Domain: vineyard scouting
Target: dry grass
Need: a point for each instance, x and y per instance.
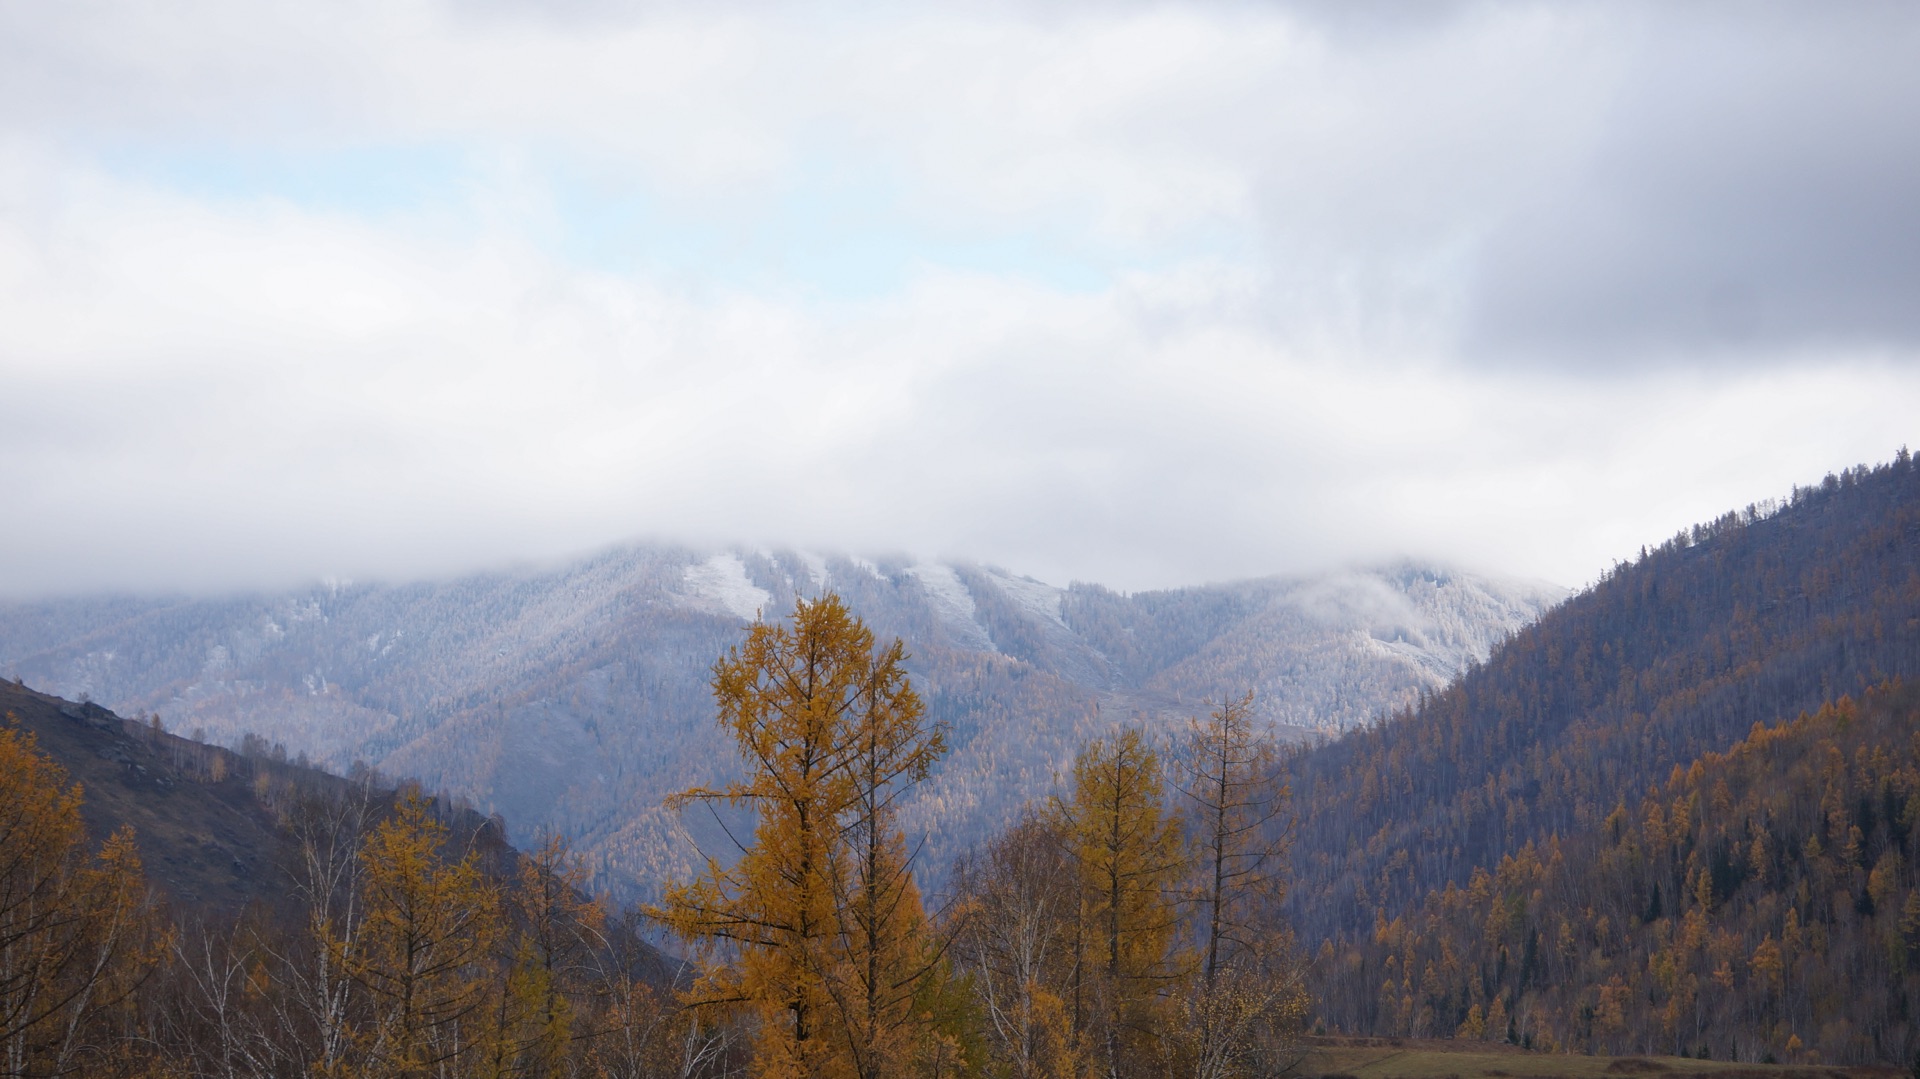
(1416, 1058)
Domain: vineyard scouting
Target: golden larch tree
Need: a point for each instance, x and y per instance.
(556, 929)
(1131, 858)
(829, 730)
(77, 931)
(423, 952)
(881, 947)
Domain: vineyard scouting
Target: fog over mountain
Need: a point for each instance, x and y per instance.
(1138, 293)
(574, 698)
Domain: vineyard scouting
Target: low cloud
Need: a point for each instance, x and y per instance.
(1517, 286)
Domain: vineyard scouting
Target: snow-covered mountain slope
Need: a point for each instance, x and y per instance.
(576, 698)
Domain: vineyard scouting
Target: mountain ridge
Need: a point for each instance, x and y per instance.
(574, 698)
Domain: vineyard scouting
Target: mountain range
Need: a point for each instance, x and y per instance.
(1677, 813)
(573, 698)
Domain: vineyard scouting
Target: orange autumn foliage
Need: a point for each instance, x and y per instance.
(817, 928)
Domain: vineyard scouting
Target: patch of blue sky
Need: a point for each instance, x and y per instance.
(366, 181)
(828, 232)
(828, 236)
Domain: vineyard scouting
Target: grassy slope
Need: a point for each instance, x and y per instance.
(210, 845)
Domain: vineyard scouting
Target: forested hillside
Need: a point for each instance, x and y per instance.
(1754, 618)
(1759, 904)
(174, 909)
(205, 819)
(575, 698)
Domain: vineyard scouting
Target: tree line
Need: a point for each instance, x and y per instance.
(1128, 925)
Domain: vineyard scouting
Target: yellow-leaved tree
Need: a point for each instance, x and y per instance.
(818, 926)
(881, 949)
(77, 932)
(558, 928)
(423, 951)
(1131, 858)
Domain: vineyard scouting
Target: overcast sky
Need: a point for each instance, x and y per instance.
(1142, 294)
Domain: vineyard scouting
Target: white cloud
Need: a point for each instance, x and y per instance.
(215, 379)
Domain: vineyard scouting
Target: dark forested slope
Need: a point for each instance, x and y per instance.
(174, 908)
(1760, 615)
(210, 823)
(1758, 905)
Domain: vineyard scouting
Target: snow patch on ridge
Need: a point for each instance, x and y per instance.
(723, 580)
(952, 602)
(816, 568)
(1037, 597)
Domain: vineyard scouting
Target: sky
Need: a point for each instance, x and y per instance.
(1142, 294)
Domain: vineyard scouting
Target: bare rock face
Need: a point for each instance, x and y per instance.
(575, 699)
